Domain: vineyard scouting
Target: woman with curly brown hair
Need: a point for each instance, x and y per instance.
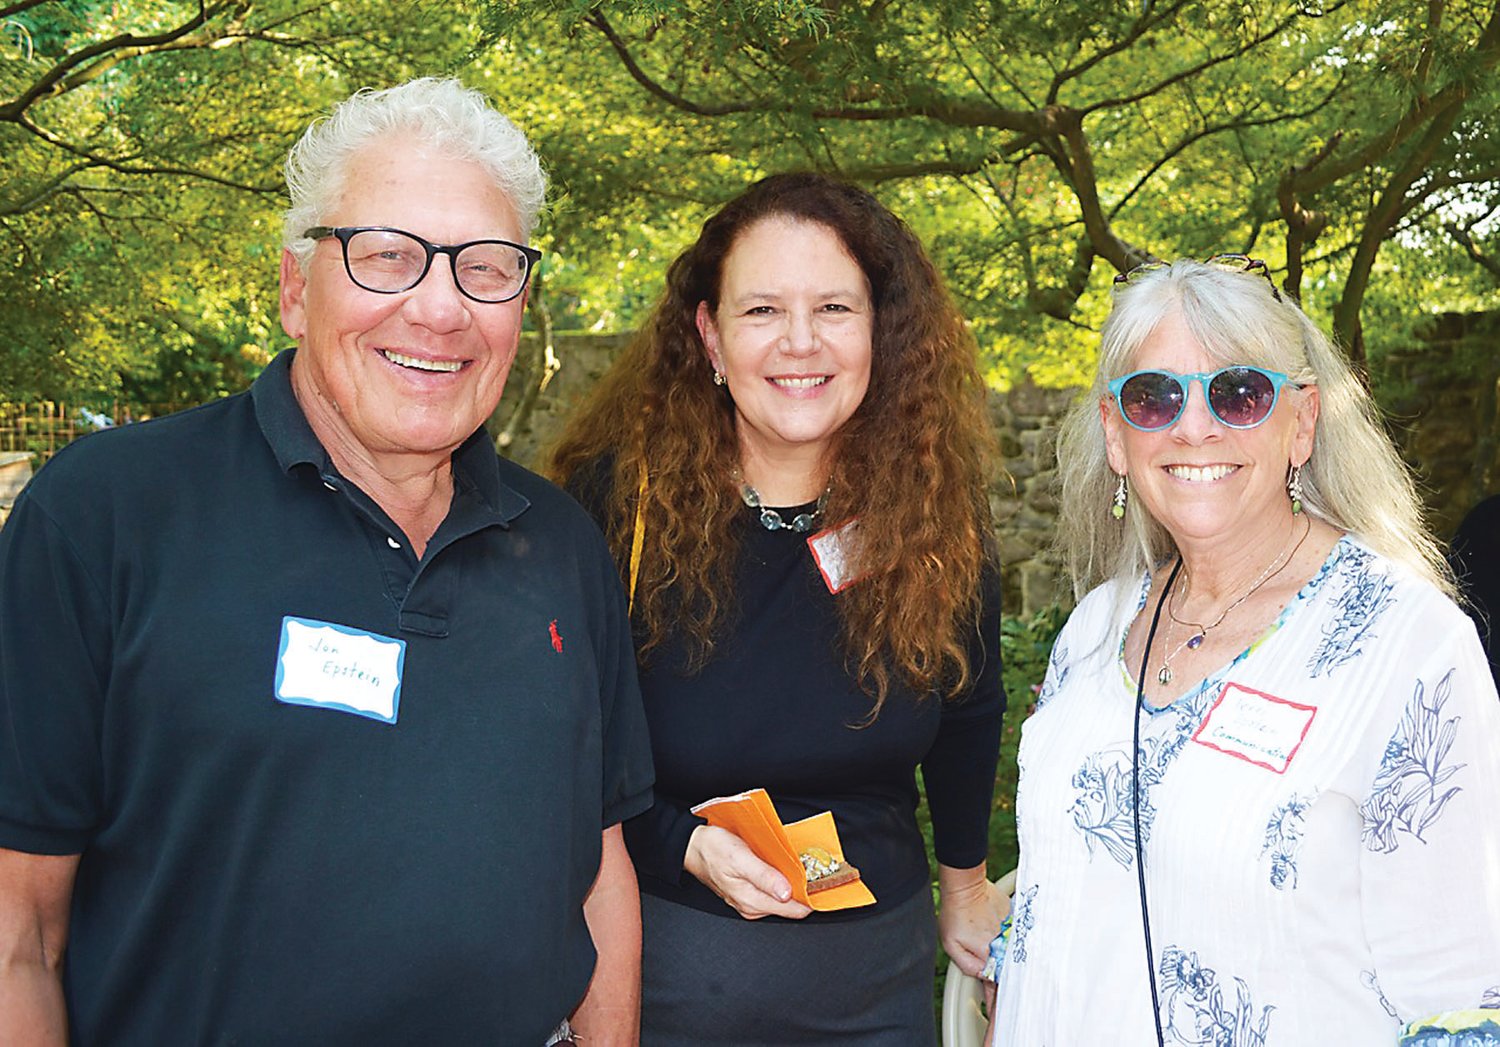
(790, 463)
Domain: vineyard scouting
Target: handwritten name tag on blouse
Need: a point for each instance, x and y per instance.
(836, 552)
(1256, 727)
(336, 667)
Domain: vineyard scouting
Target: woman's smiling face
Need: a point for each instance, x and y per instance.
(792, 336)
(1200, 479)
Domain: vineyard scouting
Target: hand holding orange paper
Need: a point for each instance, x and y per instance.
(752, 817)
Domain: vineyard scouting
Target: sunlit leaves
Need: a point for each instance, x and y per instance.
(140, 193)
(1024, 139)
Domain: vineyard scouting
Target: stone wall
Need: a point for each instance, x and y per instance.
(1025, 502)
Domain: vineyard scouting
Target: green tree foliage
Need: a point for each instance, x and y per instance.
(1350, 142)
(1038, 146)
(141, 185)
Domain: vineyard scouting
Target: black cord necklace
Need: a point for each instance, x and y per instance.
(1135, 797)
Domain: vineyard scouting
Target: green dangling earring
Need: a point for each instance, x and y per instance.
(1118, 509)
(1294, 489)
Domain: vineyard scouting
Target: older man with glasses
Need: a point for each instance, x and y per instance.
(327, 737)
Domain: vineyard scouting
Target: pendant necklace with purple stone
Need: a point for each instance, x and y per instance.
(1200, 631)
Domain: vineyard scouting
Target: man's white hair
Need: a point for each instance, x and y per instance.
(444, 113)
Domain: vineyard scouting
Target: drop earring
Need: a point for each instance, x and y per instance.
(1294, 489)
(1118, 509)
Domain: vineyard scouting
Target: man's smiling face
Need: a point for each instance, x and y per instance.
(413, 373)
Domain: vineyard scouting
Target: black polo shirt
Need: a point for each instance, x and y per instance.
(323, 793)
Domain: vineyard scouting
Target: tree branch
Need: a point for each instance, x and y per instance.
(1171, 152)
(1314, 176)
(1075, 162)
(46, 190)
(124, 168)
(597, 19)
(1464, 239)
(915, 169)
(1138, 29)
(1378, 222)
(17, 8)
(1435, 9)
(56, 80)
(1193, 71)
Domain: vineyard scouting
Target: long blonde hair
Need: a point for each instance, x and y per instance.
(1355, 480)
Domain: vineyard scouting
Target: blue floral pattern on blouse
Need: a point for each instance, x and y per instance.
(1369, 981)
(1197, 1011)
(1057, 672)
(1283, 837)
(1022, 920)
(1407, 795)
(1366, 597)
(1103, 810)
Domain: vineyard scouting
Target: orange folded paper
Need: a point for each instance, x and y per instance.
(752, 817)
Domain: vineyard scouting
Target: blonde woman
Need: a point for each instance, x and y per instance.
(1260, 795)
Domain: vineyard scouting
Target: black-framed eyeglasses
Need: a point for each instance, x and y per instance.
(1230, 263)
(389, 261)
(1240, 397)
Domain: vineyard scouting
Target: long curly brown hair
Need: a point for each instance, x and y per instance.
(912, 463)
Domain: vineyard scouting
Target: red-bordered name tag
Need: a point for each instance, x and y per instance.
(836, 552)
(1256, 727)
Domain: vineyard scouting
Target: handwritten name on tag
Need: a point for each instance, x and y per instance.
(336, 667)
(836, 552)
(1256, 727)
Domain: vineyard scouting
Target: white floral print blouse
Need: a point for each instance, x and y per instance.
(1320, 822)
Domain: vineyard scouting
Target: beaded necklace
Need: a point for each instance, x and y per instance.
(771, 520)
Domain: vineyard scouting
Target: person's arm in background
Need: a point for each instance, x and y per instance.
(970, 912)
(958, 774)
(35, 891)
(610, 1014)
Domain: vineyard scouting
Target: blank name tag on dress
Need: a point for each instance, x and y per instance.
(338, 667)
(836, 552)
(1256, 727)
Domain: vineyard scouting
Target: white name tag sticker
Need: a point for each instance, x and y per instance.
(335, 667)
(836, 552)
(1256, 727)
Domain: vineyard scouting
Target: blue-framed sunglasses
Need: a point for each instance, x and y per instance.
(1240, 397)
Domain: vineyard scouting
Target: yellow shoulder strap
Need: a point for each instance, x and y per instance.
(638, 536)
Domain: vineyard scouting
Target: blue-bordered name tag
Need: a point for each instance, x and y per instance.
(338, 667)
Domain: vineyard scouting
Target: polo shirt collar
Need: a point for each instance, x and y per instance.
(476, 466)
